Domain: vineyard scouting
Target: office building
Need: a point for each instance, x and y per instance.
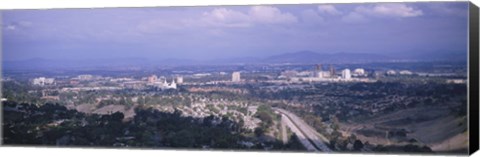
(346, 74)
(236, 77)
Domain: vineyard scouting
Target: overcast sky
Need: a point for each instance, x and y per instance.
(234, 31)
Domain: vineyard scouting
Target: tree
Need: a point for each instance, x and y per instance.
(147, 100)
(335, 123)
(259, 131)
(314, 121)
(266, 119)
(128, 102)
(357, 145)
(294, 143)
(352, 138)
(141, 101)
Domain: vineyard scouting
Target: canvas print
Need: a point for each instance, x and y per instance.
(324, 78)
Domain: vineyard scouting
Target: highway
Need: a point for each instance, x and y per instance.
(284, 132)
(305, 142)
(308, 136)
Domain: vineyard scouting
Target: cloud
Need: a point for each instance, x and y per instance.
(328, 9)
(17, 25)
(10, 27)
(389, 10)
(270, 15)
(223, 17)
(354, 17)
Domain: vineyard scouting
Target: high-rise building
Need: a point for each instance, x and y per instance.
(318, 71)
(318, 74)
(236, 76)
(319, 67)
(332, 71)
(346, 74)
(179, 79)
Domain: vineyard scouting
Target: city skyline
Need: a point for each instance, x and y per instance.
(220, 32)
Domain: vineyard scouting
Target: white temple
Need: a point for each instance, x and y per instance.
(164, 85)
(172, 85)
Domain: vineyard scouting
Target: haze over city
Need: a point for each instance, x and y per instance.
(224, 32)
(364, 78)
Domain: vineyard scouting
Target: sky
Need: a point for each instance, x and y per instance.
(216, 32)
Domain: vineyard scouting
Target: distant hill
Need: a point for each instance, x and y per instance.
(313, 57)
(433, 56)
(300, 57)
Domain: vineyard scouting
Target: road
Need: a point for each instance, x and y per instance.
(284, 132)
(305, 142)
(308, 136)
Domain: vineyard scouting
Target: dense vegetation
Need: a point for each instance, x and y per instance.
(54, 125)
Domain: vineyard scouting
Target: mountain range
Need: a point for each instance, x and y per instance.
(300, 57)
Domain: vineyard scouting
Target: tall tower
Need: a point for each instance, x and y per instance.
(346, 74)
(318, 67)
(318, 70)
(236, 76)
(332, 71)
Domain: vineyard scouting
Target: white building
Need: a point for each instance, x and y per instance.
(179, 79)
(322, 74)
(38, 81)
(165, 85)
(199, 75)
(359, 72)
(325, 74)
(49, 80)
(304, 73)
(405, 72)
(391, 72)
(84, 77)
(236, 76)
(346, 74)
(457, 81)
(172, 85)
(289, 73)
(41, 81)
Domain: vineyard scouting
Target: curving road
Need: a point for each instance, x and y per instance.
(307, 135)
(301, 137)
(284, 132)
